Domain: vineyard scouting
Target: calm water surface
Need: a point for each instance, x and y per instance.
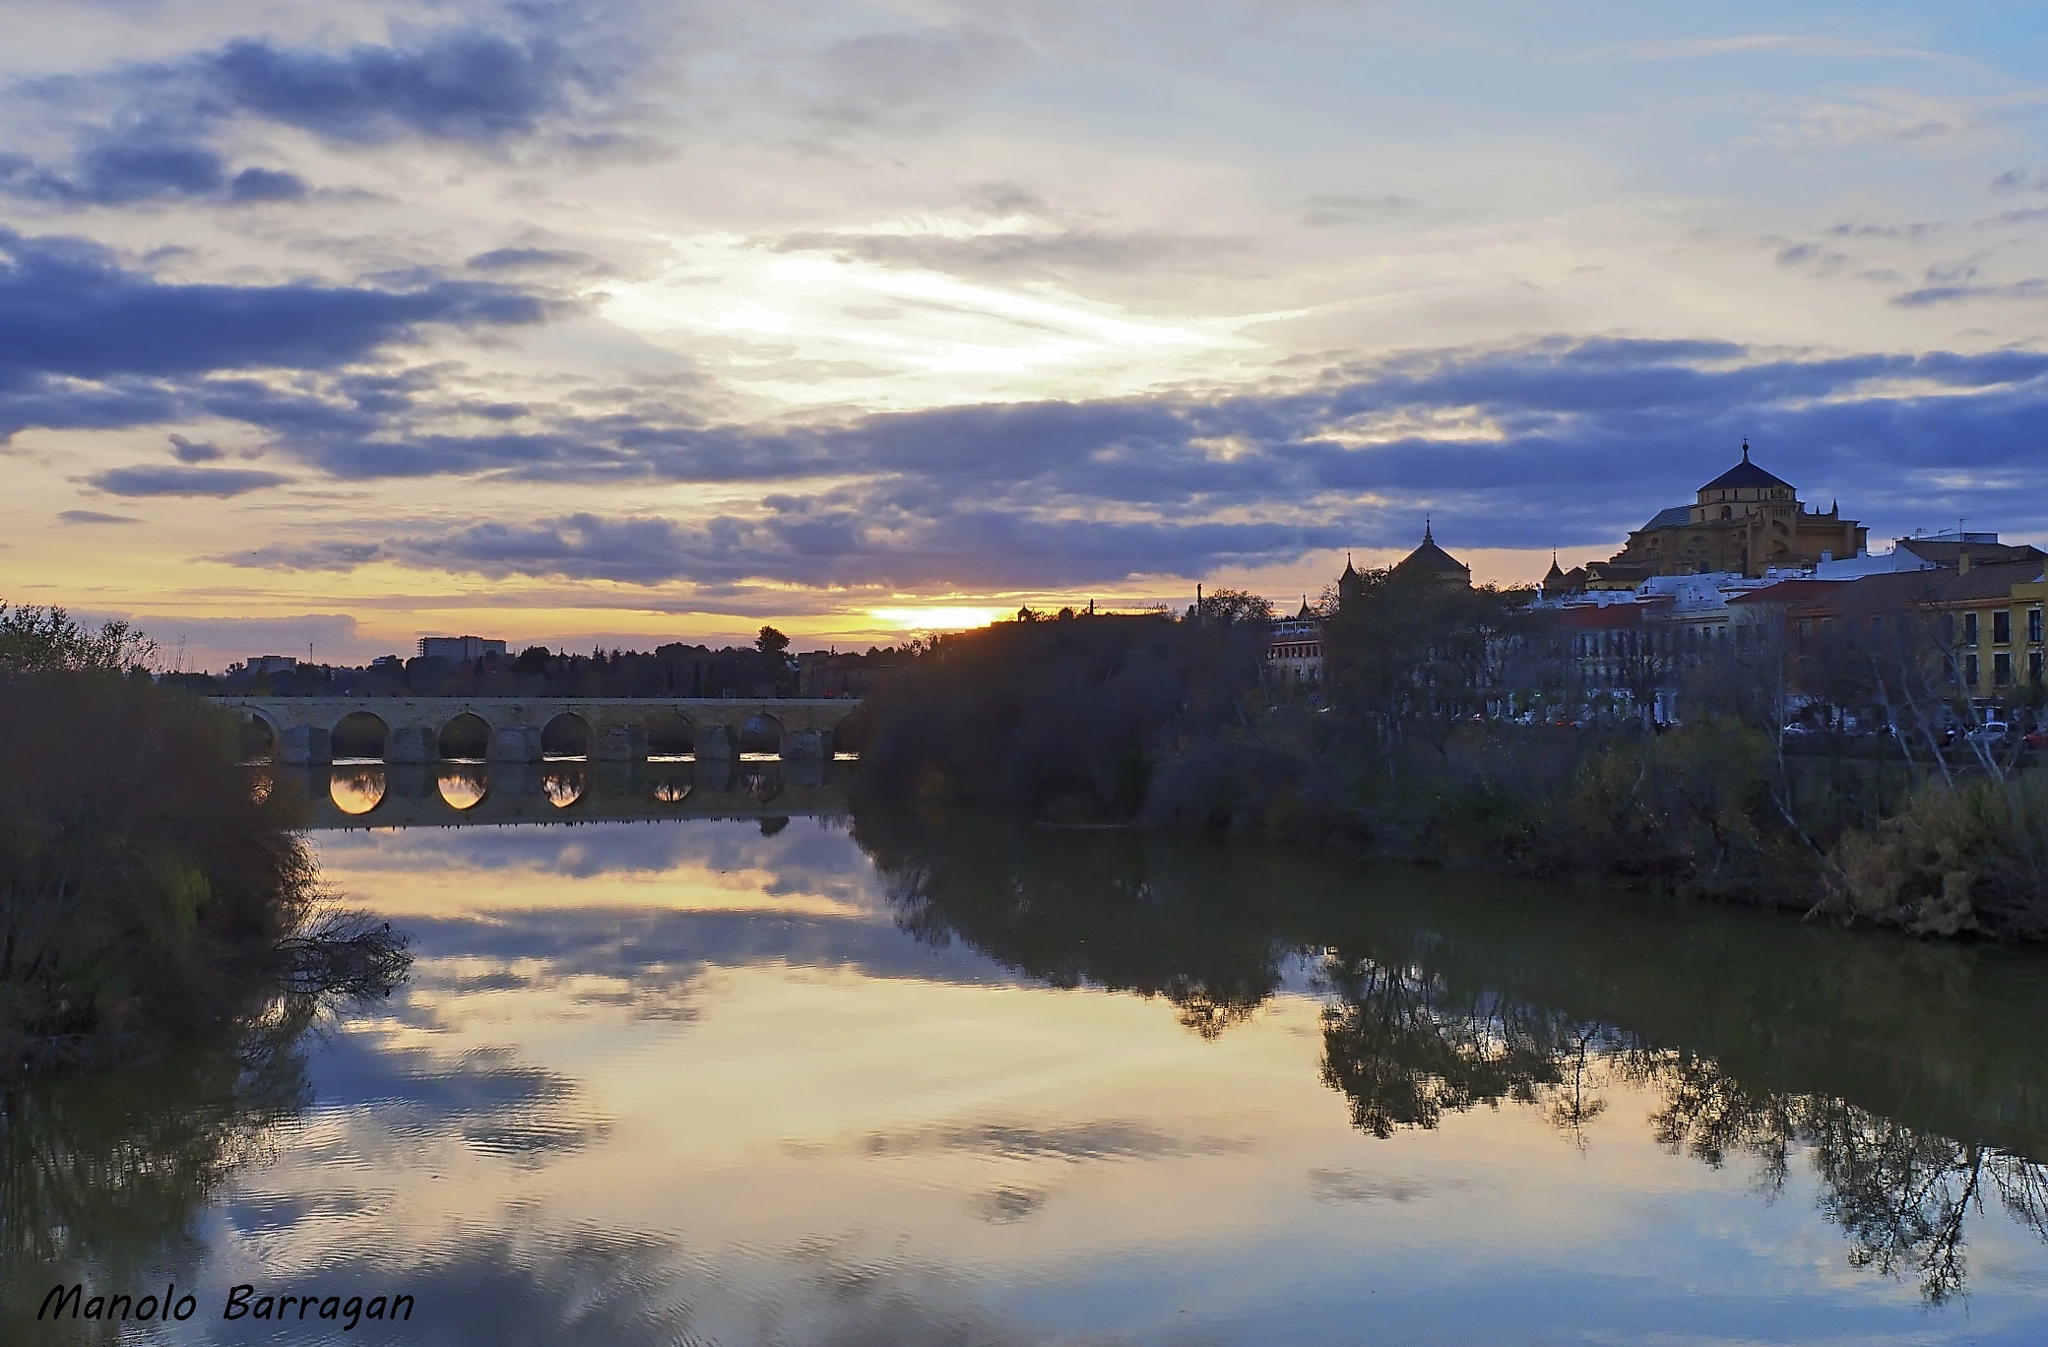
(900, 1080)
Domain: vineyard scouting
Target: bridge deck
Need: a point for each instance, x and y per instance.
(612, 728)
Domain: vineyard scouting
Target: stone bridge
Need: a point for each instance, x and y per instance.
(528, 729)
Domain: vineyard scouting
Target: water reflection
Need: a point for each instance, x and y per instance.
(357, 788)
(463, 786)
(1899, 1074)
(447, 793)
(562, 785)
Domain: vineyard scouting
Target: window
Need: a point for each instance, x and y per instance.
(1970, 670)
(2001, 668)
(2001, 627)
(2034, 668)
(2034, 625)
(1970, 630)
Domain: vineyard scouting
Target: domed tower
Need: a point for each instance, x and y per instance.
(1434, 562)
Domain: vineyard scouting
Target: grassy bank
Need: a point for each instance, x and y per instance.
(150, 886)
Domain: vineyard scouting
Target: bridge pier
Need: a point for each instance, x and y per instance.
(412, 743)
(515, 743)
(717, 742)
(808, 744)
(616, 742)
(304, 746)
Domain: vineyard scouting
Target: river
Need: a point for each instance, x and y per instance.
(749, 1077)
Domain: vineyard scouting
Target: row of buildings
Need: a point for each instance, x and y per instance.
(1748, 565)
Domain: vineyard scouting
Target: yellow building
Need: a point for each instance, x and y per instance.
(1744, 522)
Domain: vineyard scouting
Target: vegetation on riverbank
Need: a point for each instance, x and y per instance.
(1154, 722)
(150, 886)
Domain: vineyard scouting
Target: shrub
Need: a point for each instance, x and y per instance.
(139, 870)
(1971, 858)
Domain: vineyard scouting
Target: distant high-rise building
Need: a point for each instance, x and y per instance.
(270, 664)
(459, 649)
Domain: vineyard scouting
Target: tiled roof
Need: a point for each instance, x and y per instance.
(1672, 518)
(1893, 590)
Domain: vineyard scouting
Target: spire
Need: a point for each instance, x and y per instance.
(1425, 530)
(1745, 448)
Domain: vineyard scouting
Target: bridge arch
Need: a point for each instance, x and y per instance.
(360, 736)
(761, 733)
(258, 737)
(670, 734)
(850, 733)
(567, 735)
(466, 738)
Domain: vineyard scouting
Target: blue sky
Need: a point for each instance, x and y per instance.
(623, 321)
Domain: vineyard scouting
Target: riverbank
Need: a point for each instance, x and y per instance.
(151, 888)
(1170, 726)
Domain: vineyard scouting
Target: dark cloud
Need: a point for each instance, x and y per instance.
(1928, 296)
(190, 451)
(69, 308)
(146, 164)
(530, 259)
(95, 517)
(459, 85)
(1558, 442)
(153, 480)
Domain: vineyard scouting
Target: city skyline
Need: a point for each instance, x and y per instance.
(633, 322)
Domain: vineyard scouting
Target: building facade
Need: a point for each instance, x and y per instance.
(458, 649)
(1745, 522)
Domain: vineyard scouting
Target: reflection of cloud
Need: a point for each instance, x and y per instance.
(1007, 1205)
(629, 1290)
(1109, 1139)
(1352, 1185)
(485, 1099)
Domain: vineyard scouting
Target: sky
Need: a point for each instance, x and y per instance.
(327, 327)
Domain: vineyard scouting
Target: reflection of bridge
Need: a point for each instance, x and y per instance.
(403, 795)
(511, 729)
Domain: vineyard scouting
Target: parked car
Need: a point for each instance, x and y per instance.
(1991, 732)
(2038, 737)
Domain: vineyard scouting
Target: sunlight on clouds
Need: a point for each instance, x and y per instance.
(814, 329)
(936, 619)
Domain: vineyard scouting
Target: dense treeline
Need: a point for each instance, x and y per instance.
(149, 885)
(764, 669)
(1424, 751)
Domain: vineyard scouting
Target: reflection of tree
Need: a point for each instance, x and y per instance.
(101, 1175)
(1900, 1193)
(1439, 1000)
(1405, 1050)
(1096, 907)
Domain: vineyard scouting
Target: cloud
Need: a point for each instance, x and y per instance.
(530, 259)
(95, 517)
(457, 85)
(1336, 209)
(147, 164)
(69, 308)
(151, 480)
(1928, 296)
(907, 78)
(1014, 252)
(187, 451)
